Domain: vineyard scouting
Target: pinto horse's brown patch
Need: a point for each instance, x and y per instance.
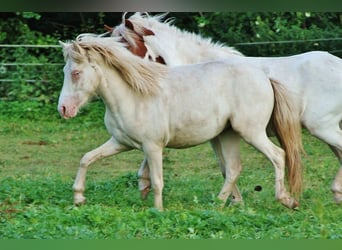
(160, 60)
(138, 48)
(140, 42)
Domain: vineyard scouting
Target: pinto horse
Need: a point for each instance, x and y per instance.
(313, 80)
(150, 106)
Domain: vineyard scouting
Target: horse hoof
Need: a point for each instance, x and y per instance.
(338, 197)
(79, 199)
(144, 193)
(295, 204)
(236, 202)
(290, 203)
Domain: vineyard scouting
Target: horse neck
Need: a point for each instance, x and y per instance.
(113, 89)
(184, 49)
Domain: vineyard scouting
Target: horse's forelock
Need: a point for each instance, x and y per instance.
(74, 51)
(129, 36)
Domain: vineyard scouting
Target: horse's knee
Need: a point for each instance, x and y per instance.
(85, 161)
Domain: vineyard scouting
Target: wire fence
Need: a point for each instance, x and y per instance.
(291, 41)
(30, 72)
(17, 68)
(6, 68)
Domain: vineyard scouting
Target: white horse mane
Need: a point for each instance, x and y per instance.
(141, 75)
(144, 20)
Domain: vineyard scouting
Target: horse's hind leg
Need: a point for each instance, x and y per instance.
(227, 149)
(144, 179)
(332, 134)
(276, 155)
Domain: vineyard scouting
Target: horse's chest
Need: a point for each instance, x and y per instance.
(123, 133)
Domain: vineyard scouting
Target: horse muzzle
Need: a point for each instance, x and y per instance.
(67, 112)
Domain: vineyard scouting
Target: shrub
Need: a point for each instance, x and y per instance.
(21, 81)
(252, 27)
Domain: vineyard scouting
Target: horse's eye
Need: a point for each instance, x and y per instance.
(75, 75)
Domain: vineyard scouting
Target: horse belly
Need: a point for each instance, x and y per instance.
(196, 129)
(190, 138)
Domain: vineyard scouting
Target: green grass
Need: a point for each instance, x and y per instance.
(40, 157)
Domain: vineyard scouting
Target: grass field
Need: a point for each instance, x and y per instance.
(39, 159)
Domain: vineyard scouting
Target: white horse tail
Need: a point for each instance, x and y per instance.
(287, 127)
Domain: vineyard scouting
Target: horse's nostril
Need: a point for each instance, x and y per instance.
(62, 110)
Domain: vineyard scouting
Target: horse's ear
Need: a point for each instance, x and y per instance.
(147, 32)
(129, 24)
(108, 28)
(76, 47)
(62, 44)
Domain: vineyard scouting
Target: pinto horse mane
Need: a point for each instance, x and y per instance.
(139, 25)
(142, 76)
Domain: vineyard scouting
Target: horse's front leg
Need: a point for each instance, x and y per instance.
(336, 186)
(154, 156)
(109, 148)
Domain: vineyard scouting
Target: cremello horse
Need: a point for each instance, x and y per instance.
(150, 106)
(314, 78)
(288, 130)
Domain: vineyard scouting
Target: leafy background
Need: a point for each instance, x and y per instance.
(237, 29)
